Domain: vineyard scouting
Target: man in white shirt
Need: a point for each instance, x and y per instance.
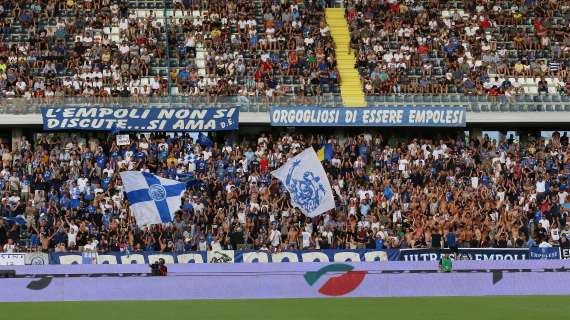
(82, 183)
(545, 223)
(90, 251)
(540, 185)
(10, 246)
(275, 236)
(562, 197)
(544, 244)
(306, 239)
(72, 234)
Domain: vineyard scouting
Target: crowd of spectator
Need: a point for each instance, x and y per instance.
(440, 47)
(271, 49)
(52, 48)
(112, 48)
(62, 192)
(107, 48)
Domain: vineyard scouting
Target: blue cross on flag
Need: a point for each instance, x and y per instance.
(153, 199)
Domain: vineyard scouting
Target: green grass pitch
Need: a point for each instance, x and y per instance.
(439, 308)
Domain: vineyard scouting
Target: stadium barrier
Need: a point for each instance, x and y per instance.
(444, 116)
(323, 256)
(565, 253)
(216, 119)
(20, 259)
(230, 256)
(140, 119)
(284, 280)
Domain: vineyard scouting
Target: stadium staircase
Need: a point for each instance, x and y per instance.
(350, 85)
(199, 61)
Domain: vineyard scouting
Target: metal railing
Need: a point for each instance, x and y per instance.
(262, 104)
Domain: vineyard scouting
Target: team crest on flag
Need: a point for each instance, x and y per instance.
(306, 181)
(152, 199)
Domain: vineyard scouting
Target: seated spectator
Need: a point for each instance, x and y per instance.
(542, 86)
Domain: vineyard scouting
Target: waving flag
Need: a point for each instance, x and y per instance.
(307, 183)
(19, 219)
(153, 199)
(326, 152)
(205, 141)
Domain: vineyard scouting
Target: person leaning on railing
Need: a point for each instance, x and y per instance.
(445, 263)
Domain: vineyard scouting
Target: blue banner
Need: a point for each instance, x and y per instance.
(229, 256)
(465, 254)
(362, 117)
(359, 255)
(552, 253)
(140, 119)
(564, 253)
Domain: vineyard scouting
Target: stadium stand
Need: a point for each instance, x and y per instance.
(488, 56)
(87, 48)
(484, 55)
(148, 48)
(63, 190)
(254, 48)
(505, 48)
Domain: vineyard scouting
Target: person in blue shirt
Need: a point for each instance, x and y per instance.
(163, 153)
(53, 195)
(364, 206)
(115, 154)
(563, 186)
(451, 240)
(105, 181)
(101, 160)
(265, 180)
(87, 155)
(363, 151)
(486, 181)
(182, 51)
(89, 192)
(170, 172)
(201, 165)
(531, 243)
(91, 209)
(388, 193)
(231, 170)
(183, 75)
(65, 201)
(140, 154)
(249, 154)
(47, 175)
(75, 193)
(25, 184)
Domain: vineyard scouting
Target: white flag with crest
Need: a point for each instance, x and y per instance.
(307, 183)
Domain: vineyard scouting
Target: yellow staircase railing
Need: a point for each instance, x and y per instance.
(350, 84)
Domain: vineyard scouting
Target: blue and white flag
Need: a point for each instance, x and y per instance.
(153, 199)
(205, 141)
(307, 183)
(19, 219)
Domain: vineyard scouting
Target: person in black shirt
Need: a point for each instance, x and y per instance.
(3, 233)
(564, 243)
(254, 163)
(236, 238)
(436, 238)
(501, 242)
(542, 86)
(541, 232)
(378, 163)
